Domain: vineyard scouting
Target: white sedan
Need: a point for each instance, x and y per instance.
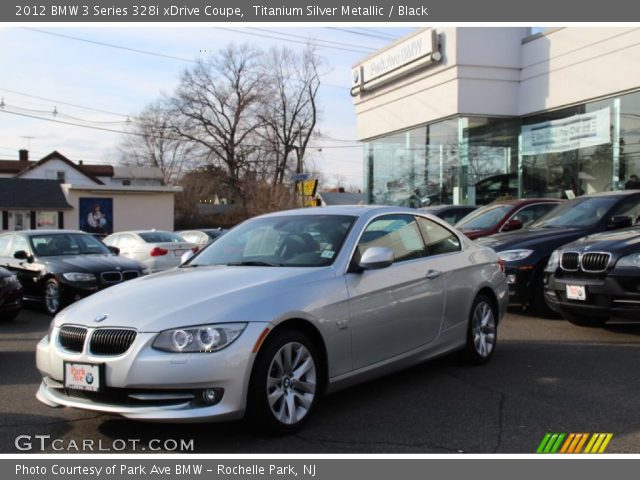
(276, 312)
(156, 249)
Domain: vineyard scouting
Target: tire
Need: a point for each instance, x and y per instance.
(592, 321)
(279, 400)
(538, 302)
(482, 333)
(52, 297)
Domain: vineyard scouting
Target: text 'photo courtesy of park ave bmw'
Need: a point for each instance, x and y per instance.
(337, 239)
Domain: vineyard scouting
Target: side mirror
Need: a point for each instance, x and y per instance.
(376, 257)
(619, 221)
(186, 256)
(114, 250)
(512, 225)
(23, 255)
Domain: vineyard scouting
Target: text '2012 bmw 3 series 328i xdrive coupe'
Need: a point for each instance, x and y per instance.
(281, 309)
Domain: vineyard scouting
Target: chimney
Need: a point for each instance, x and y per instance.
(23, 155)
(80, 162)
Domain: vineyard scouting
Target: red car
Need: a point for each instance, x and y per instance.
(505, 216)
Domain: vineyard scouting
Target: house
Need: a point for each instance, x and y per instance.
(123, 198)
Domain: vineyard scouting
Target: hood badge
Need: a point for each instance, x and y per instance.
(100, 318)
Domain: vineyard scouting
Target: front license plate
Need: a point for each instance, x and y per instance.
(576, 292)
(83, 376)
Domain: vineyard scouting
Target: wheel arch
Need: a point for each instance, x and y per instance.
(490, 294)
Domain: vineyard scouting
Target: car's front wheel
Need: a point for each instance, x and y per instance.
(482, 333)
(52, 297)
(285, 382)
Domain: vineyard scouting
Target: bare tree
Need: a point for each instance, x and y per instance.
(290, 114)
(215, 107)
(151, 143)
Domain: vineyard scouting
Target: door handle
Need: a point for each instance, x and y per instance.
(433, 274)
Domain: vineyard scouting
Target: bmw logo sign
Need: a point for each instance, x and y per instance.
(89, 378)
(100, 318)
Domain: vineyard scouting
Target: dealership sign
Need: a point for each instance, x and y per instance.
(409, 54)
(579, 131)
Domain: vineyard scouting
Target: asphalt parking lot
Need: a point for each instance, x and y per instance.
(546, 376)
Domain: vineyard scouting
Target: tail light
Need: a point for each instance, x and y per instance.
(195, 249)
(158, 252)
(501, 265)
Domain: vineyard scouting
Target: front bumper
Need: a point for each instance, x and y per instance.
(146, 384)
(615, 294)
(520, 282)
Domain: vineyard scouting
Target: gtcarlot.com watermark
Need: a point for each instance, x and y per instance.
(30, 443)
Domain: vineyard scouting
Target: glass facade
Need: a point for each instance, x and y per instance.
(578, 150)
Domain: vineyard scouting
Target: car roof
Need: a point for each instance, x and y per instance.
(46, 232)
(350, 210)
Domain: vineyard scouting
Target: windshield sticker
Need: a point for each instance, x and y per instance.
(328, 254)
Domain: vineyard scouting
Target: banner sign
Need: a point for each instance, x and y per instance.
(579, 131)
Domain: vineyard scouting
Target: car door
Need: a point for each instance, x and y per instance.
(396, 309)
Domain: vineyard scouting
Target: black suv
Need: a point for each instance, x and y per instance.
(596, 277)
(61, 266)
(526, 252)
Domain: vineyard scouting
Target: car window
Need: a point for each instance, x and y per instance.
(19, 243)
(191, 237)
(437, 238)
(67, 244)
(5, 240)
(487, 217)
(628, 208)
(287, 240)
(127, 242)
(531, 213)
(580, 212)
(399, 233)
(160, 237)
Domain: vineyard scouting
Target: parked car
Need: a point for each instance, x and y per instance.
(203, 237)
(451, 214)
(156, 249)
(58, 267)
(505, 216)
(10, 295)
(527, 251)
(279, 310)
(505, 186)
(598, 276)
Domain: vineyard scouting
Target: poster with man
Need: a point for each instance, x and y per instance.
(96, 215)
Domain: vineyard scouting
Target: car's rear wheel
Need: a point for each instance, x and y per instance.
(482, 333)
(52, 297)
(592, 321)
(285, 383)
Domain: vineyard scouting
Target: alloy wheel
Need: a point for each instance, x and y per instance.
(52, 297)
(484, 329)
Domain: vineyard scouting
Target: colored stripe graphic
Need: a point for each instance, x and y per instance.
(556, 442)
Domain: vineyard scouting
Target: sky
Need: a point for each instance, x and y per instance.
(87, 81)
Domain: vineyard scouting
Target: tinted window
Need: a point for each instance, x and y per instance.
(531, 213)
(161, 237)
(629, 208)
(487, 217)
(400, 233)
(290, 241)
(19, 243)
(581, 212)
(4, 245)
(438, 239)
(67, 244)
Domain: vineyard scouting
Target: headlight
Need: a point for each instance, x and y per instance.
(514, 255)
(79, 277)
(203, 338)
(553, 263)
(632, 260)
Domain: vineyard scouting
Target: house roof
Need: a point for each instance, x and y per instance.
(55, 155)
(341, 198)
(32, 193)
(16, 166)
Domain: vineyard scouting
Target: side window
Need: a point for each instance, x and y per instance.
(126, 242)
(400, 233)
(439, 240)
(531, 213)
(4, 245)
(112, 241)
(19, 243)
(629, 208)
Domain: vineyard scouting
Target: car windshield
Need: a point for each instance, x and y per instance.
(291, 241)
(487, 217)
(581, 212)
(161, 237)
(67, 244)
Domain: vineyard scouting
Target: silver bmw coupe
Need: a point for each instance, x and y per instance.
(282, 309)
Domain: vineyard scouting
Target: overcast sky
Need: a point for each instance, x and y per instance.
(107, 84)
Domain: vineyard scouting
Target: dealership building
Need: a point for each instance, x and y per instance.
(466, 115)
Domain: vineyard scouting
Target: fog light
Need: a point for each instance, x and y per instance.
(211, 396)
(511, 279)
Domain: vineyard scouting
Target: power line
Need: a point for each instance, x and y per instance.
(364, 34)
(110, 45)
(364, 47)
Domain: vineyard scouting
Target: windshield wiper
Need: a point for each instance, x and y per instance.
(253, 263)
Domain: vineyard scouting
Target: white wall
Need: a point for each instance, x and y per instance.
(48, 170)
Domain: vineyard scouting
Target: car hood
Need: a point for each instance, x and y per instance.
(532, 238)
(619, 242)
(473, 234)
(88, 263)
(190, 296)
